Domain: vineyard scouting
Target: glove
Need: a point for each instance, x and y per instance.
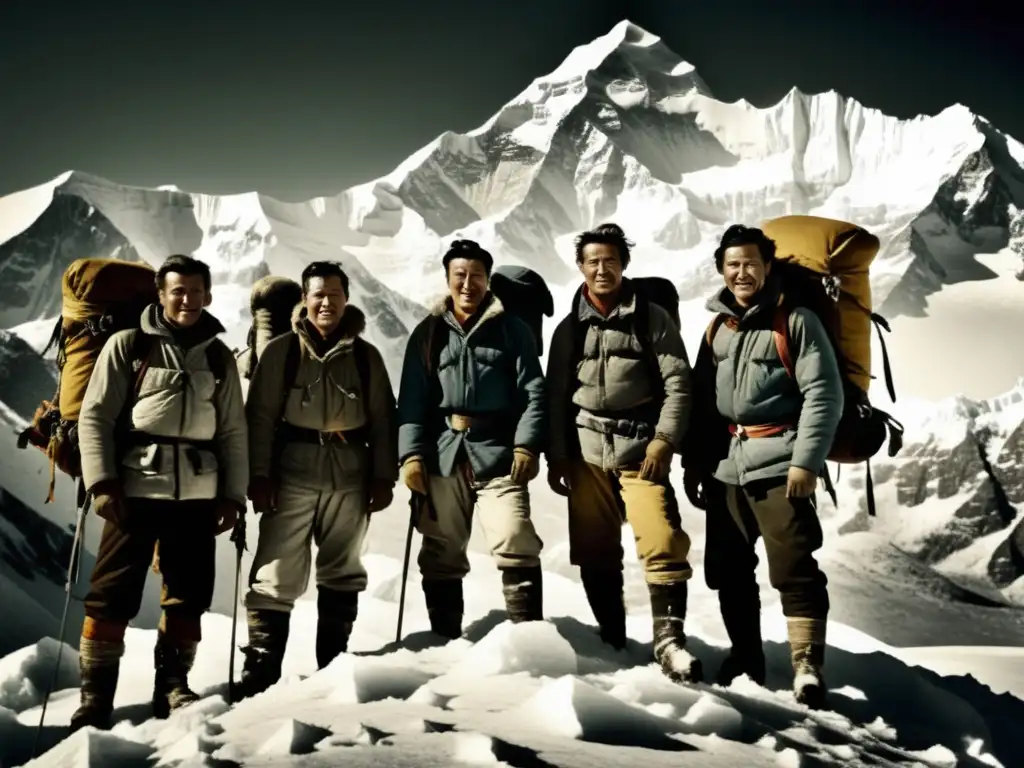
(694, 481)
(414, 474)
(658, 460)
(262, 494)
(558, 477)
(228, 512)
(382, 493)
(108, 502)
(525, 466)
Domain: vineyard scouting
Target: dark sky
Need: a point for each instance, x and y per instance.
(225, 97)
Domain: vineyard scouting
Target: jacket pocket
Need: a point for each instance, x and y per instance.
(146, 460)
(198, 473)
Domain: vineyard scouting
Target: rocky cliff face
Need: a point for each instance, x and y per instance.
(953, 497)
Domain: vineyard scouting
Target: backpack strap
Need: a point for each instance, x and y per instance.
(361, 352)
(140, 347)
(780, 330)
(713, 326)
(431, 349)
(216, 359)
(642, 328)
(292, 358)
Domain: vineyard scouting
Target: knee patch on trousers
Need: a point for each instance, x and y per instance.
(102, 630)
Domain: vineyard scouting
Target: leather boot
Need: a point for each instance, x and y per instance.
(99, 662)
(172, 661)
(741, 614)
(524, 595)
(668, 610)
(604, 588)
(807, 652)
(336, 615)
(268, 638)
(445, 606)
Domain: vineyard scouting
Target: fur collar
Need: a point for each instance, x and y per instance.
(443, 305)
(353, 321)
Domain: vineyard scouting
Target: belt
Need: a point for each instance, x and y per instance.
(290, 433)
(463, 422)
(135, 438)
(754, 431)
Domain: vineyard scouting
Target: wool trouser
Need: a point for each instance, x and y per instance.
(186, 531)
(503, 508)
(336, 521)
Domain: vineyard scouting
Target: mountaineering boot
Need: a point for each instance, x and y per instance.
(741, 614)
(268, 637)
(99, 662)
(172, 661)
(807, 651)
(604, 588)
(336, 615)
(445, 606)
(668, 610)
(524, 595)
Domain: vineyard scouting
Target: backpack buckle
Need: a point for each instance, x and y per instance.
(832, 284)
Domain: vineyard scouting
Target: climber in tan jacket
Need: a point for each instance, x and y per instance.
(175, 474)
(323, 457)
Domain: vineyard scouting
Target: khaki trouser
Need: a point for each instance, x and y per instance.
(792, 534)
(335, 521)
(503, 508)
(600, 502)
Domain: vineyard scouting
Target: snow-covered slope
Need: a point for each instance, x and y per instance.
(623, 129)
(542, 694)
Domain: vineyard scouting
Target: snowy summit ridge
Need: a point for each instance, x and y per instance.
(623, 129)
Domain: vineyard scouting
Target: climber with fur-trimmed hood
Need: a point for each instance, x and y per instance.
(323, 458)
(472, 423)
(271, 304)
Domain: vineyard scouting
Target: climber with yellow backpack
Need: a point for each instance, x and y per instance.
(780, 386)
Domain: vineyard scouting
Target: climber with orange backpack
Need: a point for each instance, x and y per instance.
(780, 386)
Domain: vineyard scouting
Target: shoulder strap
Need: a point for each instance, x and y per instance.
(780, 330)
(361, 351)
(431, 349)
(642, 326)
(216, 358)
(291, 370)
(140, 347)
(139, 350)
(713, 326)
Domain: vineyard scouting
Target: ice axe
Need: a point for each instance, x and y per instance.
(74, 562)
(238, 537)
(415, 500)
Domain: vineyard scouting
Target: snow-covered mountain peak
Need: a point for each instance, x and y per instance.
(623, 129)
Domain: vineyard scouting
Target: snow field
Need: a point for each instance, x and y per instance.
(542, 693)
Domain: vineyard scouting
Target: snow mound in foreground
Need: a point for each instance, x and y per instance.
(537, 694)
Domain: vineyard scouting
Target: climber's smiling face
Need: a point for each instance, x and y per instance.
(745, 272)
(325, 301)
(183, 298)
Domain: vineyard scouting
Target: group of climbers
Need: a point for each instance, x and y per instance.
(170, 446)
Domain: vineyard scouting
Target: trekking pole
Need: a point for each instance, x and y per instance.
(238, 537)
(74, 563)
(413, 510)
